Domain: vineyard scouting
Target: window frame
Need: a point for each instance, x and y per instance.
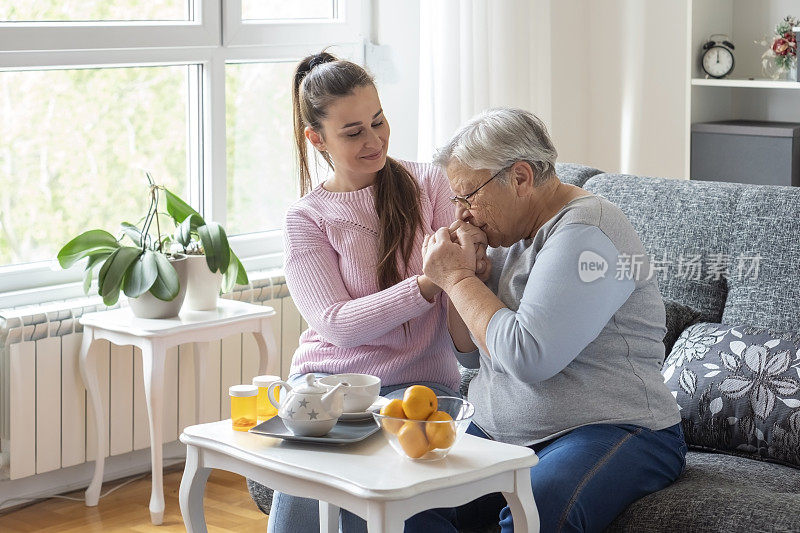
(210, 42)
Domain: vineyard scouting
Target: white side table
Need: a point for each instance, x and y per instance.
(367, 478)
(154, 337)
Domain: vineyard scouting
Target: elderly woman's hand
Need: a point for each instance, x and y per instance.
(483, 267)
(445, 261)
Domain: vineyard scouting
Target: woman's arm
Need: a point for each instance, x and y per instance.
(451, 265)
(317, 288)
(559, 313)
(459, 331)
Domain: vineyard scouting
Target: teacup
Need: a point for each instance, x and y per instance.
(362, 392)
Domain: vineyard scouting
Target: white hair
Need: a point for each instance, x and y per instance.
(498, 138)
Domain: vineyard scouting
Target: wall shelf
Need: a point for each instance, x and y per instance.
(748, 84)
(748, 94)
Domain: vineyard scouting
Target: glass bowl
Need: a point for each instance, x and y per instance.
(423, 440)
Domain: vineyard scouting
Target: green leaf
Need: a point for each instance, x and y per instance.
(142, 275)
(86, 244)
(97, 258)
(215, 244)
(114, 271)
(167, 285)
(132, 232)
(87, 279)
(241, 277)
(177, 208)
(234, 275)
(88, 272)
(183, 233)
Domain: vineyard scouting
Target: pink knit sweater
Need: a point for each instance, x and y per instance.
(331, 253)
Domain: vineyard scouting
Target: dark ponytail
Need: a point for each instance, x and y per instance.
(319, 79)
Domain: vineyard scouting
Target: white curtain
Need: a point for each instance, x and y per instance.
(477, 54)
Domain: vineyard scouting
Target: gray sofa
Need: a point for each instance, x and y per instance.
(716, 492)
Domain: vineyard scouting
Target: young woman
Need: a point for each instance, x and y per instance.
(353, 258)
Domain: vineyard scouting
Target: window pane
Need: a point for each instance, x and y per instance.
(74, 145)
(262, 175)
(281, 9)
(89, 10)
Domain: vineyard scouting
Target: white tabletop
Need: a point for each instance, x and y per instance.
(123, 320)
(369, 469)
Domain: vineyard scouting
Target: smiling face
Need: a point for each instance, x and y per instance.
(355, 134)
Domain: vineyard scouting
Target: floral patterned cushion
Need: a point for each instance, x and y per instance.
(738, 390)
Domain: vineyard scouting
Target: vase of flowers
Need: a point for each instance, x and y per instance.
(780, 59)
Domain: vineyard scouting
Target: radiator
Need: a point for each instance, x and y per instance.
(45, 419)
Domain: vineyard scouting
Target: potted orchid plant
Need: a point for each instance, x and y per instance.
(212, 265)
(136, 263)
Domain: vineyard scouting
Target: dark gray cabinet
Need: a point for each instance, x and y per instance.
(743, 151)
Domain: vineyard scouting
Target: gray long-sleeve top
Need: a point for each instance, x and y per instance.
(580, 339)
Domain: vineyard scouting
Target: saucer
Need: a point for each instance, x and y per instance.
(342, 432)
(365, 415)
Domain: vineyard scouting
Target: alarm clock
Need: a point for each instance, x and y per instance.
(716, 58)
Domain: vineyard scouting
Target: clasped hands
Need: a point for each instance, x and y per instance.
(455, 253)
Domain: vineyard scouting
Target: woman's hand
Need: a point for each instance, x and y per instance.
(446, 262)
(483, 267)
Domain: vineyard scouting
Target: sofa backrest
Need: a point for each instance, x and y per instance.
(747, 239)
(575, 174)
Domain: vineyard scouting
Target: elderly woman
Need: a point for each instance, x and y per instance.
(566, 330)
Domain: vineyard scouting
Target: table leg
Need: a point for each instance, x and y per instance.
(200, 352)
(153, 355)
(522, 504)
(328, 517)
(380, 519)
(193, 487)
(267, 348)
(93, 390)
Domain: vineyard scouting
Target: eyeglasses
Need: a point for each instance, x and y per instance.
(464, 202)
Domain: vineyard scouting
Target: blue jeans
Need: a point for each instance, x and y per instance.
(292, 514)
(584, 479)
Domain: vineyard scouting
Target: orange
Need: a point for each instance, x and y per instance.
(395, 410)
(440, 435)
(412, 439)
(419, 402)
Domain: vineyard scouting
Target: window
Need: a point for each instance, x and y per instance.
(94, 10)
(282, 10)
(261, 169)
(72, 143)
(94, 93)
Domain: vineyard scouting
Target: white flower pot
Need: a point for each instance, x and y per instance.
(148, 306)
(204, 285)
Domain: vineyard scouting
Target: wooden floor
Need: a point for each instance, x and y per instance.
(228, 507)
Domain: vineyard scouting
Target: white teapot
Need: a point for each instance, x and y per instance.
(308, 410)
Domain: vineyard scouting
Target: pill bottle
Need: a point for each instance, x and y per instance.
(265, 409)
(243, 406)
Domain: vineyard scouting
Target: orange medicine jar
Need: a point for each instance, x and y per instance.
(243, 406)
(265, 409)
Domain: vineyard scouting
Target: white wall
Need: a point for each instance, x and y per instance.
(570, 118)
(395, 65)
(636, 80)
(618, 74)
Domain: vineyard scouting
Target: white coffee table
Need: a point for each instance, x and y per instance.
(367, 478)
(154, 337)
